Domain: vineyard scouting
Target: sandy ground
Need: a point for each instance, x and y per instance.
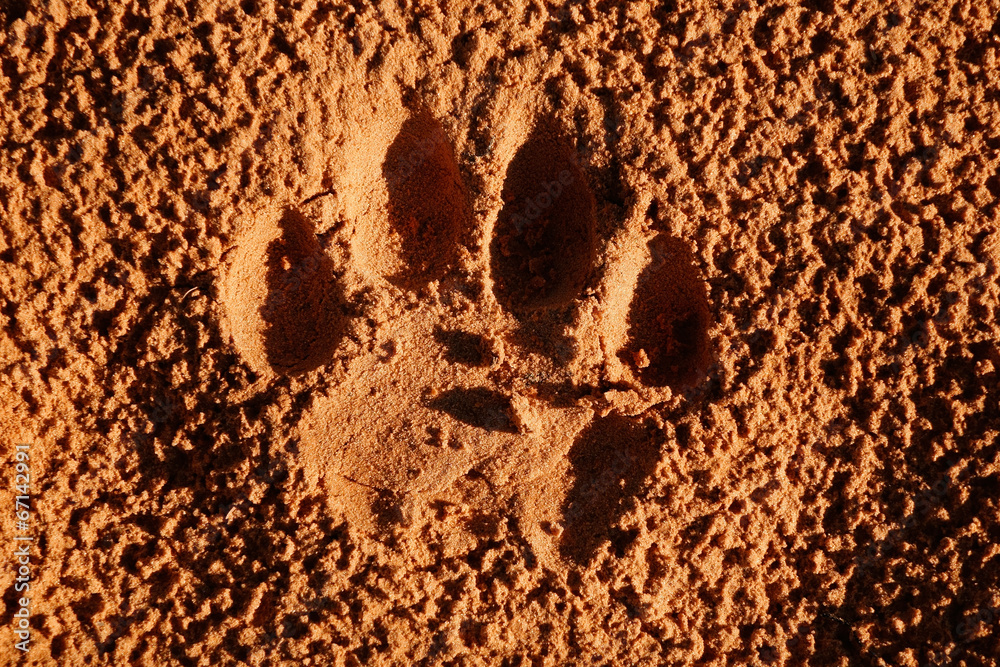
(477, 333)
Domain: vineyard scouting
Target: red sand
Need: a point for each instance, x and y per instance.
(502, 334)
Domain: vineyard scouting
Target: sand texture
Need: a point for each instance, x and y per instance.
(501, 333)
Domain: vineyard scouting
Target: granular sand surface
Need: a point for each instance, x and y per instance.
(482, 333)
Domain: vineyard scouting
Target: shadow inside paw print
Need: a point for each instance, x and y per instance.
(282, 296)
(464, 348)
(543, 245)
(303, 327)
(611, 461)
(668, 318)
(479, 407)
(427, 203)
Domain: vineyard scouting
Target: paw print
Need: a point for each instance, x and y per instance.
(501, 349)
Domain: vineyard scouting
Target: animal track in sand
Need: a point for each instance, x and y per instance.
(543, 245)
(610, 460)
(281, 296)
(427, 202)
(440, 401)
(668, 318)
(403, 197)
